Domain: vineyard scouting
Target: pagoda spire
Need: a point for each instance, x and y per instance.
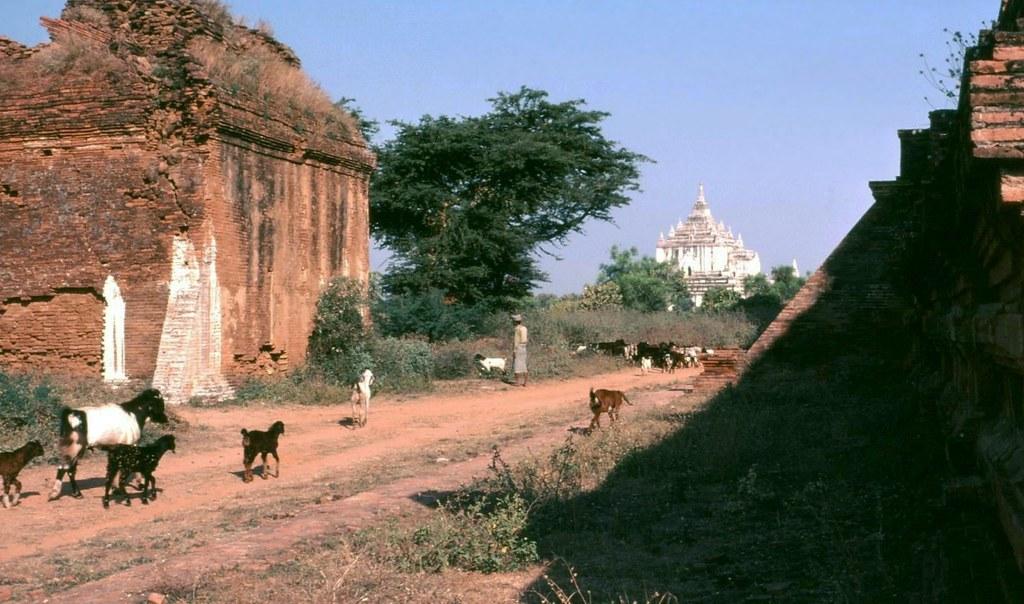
(700, 206)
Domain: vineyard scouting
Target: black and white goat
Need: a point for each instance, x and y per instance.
(104, 426)
(11, 464)
(129, 459)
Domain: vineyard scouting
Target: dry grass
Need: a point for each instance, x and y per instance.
(69, 55)
(216, 11)
(260, 74)
(690, 329)
(86, 14)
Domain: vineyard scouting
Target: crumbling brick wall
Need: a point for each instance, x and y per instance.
(937, 262)
(219, 210)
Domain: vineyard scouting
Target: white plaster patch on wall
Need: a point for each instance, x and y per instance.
(188, 360)
(113, 332)
(208, 381)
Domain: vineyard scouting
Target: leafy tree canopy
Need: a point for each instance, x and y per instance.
(719, 299)
(466, 203)
(778, 290)
(644, 283)
(367, 127)
(786, 282)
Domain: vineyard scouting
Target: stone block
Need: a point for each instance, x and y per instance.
(1007, 53)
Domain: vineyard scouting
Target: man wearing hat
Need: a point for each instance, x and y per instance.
(519, 341)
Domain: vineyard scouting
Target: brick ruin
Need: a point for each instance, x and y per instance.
(938, 261)
(173, 194)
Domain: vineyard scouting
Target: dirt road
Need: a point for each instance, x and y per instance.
(331, 475)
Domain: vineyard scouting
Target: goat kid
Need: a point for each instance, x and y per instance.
(645, 365)
(256, 442)
(11, 464)
(129, 459)
(361, 397)
(606, 401)
(105, 426)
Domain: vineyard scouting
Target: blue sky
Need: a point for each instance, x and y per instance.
(784, 109)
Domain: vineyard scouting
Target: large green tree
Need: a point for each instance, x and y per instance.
(781, 288)
(466, 204)
(644, 283)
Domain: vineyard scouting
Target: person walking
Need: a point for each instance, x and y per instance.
(520, 338)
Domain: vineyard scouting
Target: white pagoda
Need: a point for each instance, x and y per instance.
(707, 252)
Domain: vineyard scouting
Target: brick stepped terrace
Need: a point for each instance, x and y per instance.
(720, 369)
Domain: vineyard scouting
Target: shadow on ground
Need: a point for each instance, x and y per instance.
(814, 479)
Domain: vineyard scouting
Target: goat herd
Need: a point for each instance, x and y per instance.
(117, 429)
(666, 356)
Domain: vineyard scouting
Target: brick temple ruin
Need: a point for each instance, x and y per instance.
(174, 192)
(938, 262)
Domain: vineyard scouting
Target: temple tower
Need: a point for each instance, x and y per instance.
(707, 252)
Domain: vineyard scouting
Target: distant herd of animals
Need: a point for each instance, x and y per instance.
(117, 427)
(666, 356)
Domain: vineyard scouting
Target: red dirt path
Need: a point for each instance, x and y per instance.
(202, 476)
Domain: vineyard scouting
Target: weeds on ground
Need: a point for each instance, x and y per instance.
(485, 526)
(569, 591)
(470, 532)
(301, 387)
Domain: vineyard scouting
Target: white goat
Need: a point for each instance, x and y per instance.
(489, 364)
(691, 356)
(645, 365)
(361, 396)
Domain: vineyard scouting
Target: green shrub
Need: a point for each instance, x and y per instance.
(303, 386)
(343, 367)
(401, 365)
(338, 326)
(29, 409)
(453, 360)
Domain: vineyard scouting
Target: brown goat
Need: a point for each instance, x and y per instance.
(606, 401)
(256, 442)
(11, 464)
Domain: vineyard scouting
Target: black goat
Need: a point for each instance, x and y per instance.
(128, 459)
(256, 442)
